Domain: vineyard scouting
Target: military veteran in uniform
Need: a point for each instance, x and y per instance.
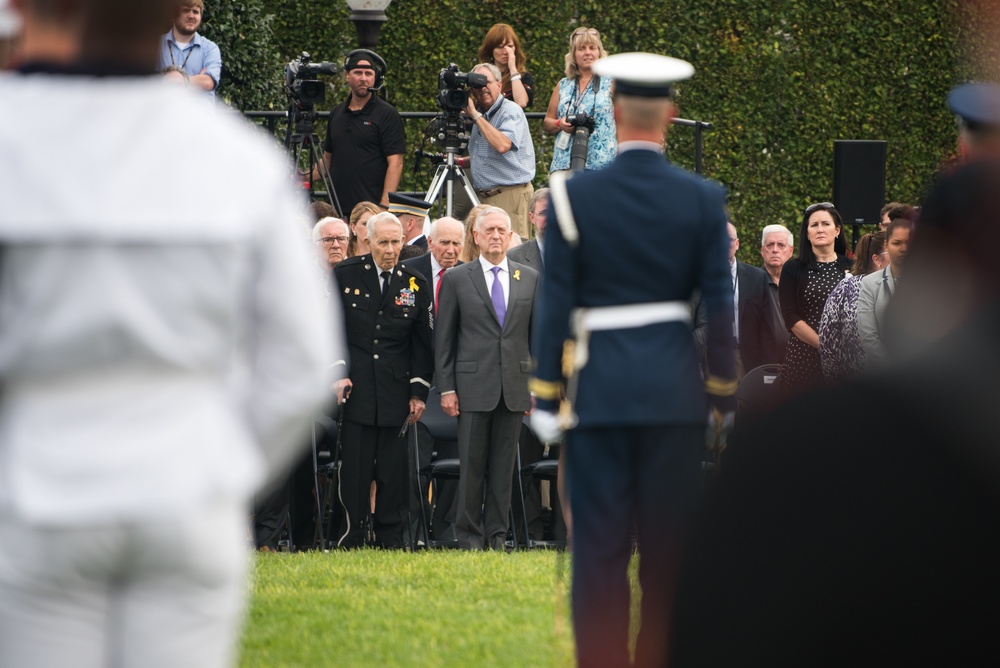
(387, 314)
(630, 367)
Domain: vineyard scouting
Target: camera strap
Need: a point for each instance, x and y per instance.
(595, 83)
(189, 50)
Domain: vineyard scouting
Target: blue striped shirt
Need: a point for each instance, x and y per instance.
(490, 168)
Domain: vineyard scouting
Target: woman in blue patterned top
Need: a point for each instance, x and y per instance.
(581, 91)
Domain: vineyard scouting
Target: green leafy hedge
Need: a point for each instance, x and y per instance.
(779, 79)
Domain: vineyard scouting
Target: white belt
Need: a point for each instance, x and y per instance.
(627, 316)
(624, 316)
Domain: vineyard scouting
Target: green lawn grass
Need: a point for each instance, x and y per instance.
(385, 608)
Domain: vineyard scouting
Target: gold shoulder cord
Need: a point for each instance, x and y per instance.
(721, 388)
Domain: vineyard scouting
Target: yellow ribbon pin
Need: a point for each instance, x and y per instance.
(413, 284)
(517, 274)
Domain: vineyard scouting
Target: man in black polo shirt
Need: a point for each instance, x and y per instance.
(364, 138)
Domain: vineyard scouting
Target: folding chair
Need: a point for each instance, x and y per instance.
(543, 469)
(442, 428)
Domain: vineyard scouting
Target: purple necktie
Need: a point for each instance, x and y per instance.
(496, 292)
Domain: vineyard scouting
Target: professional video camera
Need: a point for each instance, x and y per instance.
(583, 125)
(453, 86)
(301, 83)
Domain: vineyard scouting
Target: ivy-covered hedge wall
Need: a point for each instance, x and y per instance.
(780, 80)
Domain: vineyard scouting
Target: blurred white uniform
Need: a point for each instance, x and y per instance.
(162, 345)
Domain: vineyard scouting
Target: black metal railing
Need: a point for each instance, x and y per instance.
(270, 120)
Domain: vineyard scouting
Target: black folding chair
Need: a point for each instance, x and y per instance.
(442, 429)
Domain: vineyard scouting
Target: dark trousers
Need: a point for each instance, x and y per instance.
(620, 478)
(486, 442)
(373, 453)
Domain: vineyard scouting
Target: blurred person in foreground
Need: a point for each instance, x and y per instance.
(10, 26)
(840, 348)
(879, 547)
(145, 398)
(938, 296)
(636, 428)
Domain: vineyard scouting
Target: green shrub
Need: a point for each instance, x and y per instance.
(780, 80)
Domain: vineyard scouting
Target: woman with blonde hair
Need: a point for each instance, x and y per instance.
(502, 48)
(470, 251)
(362, 211)
(580, 91)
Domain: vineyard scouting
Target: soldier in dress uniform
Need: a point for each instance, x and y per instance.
(389, 322)
(614, 338)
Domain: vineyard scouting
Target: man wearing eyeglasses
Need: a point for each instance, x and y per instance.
(331, 236)
(501, 150)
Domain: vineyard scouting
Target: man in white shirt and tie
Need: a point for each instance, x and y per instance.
(482, 367)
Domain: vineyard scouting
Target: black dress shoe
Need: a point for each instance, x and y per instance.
(498, 543)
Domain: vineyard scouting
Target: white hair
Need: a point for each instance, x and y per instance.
(770, 229)
(491, 210)
(325, 221)
(381, 218)
(494, 70)
(446, 219)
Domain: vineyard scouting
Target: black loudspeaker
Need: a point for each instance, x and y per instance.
(859, 180)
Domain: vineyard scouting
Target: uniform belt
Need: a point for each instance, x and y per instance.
(624, 316)
(493, 192)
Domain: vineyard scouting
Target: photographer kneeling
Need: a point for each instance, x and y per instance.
(501, 151)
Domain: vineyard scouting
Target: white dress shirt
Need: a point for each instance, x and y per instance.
(503, 276)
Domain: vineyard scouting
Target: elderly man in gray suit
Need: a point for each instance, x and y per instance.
(530, 252)
(483, 364)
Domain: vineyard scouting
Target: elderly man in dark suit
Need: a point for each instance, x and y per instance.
(753, 328)
(387, 312)
(530, 252)
(638, 423)
(444, 242)
(482, 367)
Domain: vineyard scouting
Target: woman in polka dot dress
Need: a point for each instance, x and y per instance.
(805, 283)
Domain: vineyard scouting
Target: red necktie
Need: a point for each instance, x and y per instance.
(437, 291)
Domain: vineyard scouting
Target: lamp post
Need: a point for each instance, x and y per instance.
(368, 17)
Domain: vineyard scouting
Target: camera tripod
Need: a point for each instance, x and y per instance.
(300, 139)
(447, 173)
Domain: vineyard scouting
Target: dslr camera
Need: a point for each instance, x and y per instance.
(301, 83)
(453, 88)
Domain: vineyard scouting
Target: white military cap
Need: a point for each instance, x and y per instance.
(10, 20)
(643, 74)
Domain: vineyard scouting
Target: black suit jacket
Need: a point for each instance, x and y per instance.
(759, 343)
(389, 338)
(757, 340)
(528, 254)
(422, 265)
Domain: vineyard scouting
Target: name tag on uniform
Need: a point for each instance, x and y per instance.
(406, 298)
